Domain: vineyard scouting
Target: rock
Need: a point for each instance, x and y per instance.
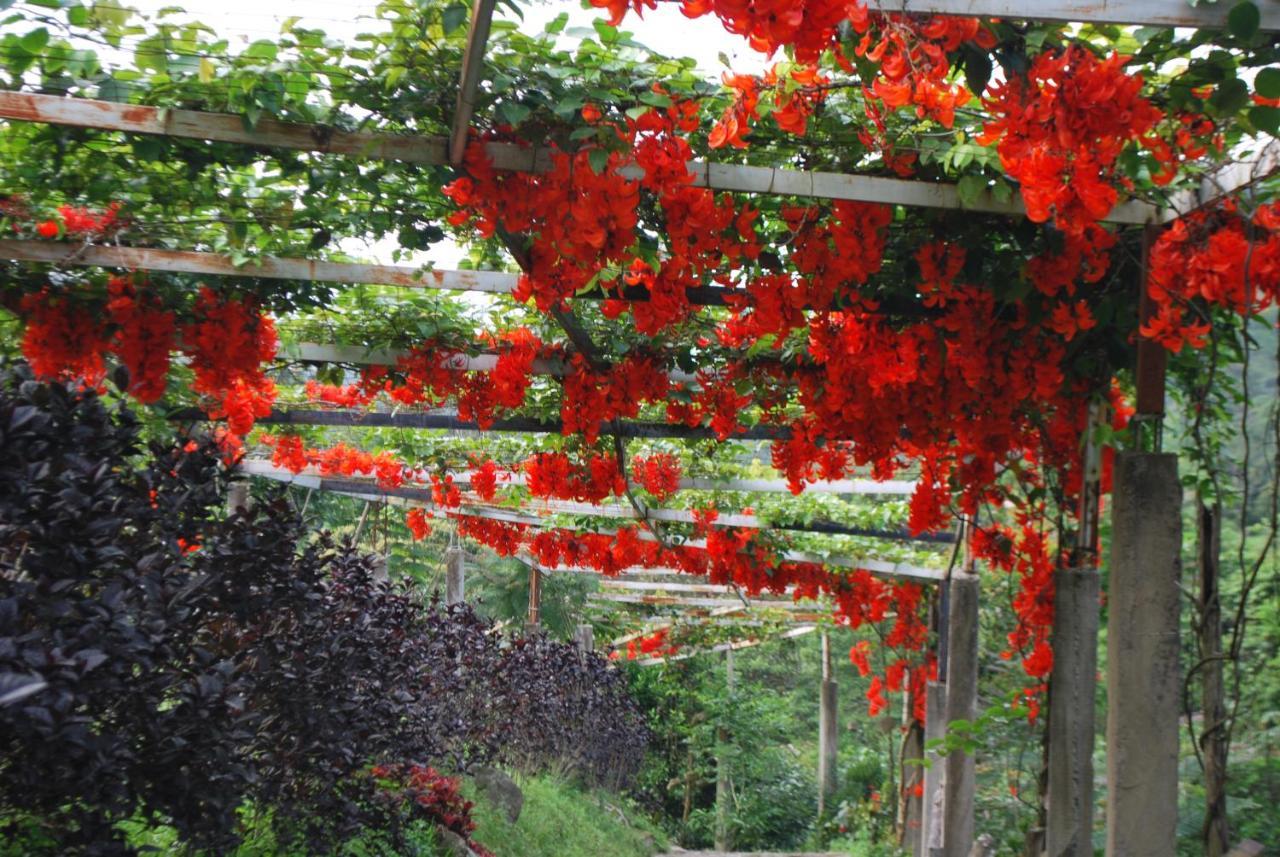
(501, 790)
(455, 844)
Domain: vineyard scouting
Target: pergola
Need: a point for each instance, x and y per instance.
(1143, 681)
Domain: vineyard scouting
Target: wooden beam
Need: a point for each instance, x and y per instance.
(472, 63)
(538, 508)
(421, 498)
(1149, 13)
(688, 601)
(360, 355)
(762, 486)
(67, 254)
(1230, 178)
(666, 586)
(731, 646)
(738, 178)
(451, 422)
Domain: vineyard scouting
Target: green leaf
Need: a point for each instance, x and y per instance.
(653, 99)
(513, 112)
(970, 188)
(556, 26)
(1230, 97)
(34, 41)
(1266, 119)
(453, 17)
(1267, 83)
(1243, 20)
(599, 159)
(115, 90)
(608, 35)
(78, 16)
(977, 70)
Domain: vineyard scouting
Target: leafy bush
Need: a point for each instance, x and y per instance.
(161, 661)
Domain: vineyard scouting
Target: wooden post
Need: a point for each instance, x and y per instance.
(962, 704)
(1143, 682)
(455, 575)
(828, 732)
(535, 599)
(1073, 682)
(724, 785)
(1213, 708)
(935, 728)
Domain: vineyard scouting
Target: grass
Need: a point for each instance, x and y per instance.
(562, 820)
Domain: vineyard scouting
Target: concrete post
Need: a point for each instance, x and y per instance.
(909, 802)
(585, 638)
(962, 704)
(455, 573)
(828, 732)
(1143, 682)
(378, 566)
(238, 497)
(1072, 691)
(935, 728)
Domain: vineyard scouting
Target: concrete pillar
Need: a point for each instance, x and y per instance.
(1072, 691)
(935, 729)
(1143, 683)
(828, 732)
(584, 636)
(910, 803)
(238, 497)
(455, 573)
(724, 785)
(962, 704)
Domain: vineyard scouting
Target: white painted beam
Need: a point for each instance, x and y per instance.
(739, 178)
(1148, 13)
(877, 567)
(67, 254)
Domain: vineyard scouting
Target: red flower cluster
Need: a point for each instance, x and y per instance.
(658, 473)
(592, 399)
(433, 796)
(796, 94)
(289, 452)
(63, 340)
(227, 342)
(431, 374)
(144, 336)
(419, 526)
(1060, 130)
(912, 52)
(655, 645)
(1212, 259)
(83, 222)
(553, 475)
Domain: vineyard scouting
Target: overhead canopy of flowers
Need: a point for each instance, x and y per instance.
(956, 348)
